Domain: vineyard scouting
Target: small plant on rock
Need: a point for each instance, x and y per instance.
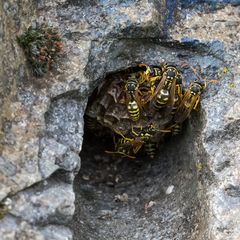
(42, 46)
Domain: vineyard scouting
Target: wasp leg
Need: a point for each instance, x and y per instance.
(121, 153)
(196, 104)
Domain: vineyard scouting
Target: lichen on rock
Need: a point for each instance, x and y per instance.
(42, 46)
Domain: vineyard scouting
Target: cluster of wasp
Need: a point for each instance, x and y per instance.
(139, 106)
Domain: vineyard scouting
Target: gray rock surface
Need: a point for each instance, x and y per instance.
(42, 123)
(45, 203)
(54, 232)
(17, 229)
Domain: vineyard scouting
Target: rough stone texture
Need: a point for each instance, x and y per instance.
(42, 121)
(16, 229)
(23, 121)
(220, 136)
(57, 233)
(48, 202)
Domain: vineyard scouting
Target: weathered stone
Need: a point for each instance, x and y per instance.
(42, 121)
(54, 232)
(13, 229)
(52, 202)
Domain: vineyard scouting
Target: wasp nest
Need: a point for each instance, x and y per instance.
(140, 105)
(42, 46)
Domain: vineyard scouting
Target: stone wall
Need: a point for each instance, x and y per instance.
(42, 118)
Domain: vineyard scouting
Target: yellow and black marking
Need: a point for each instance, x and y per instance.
(144, 133)
(133, 110)
(175, 105)
(145, 88)
(153, 71)
(131, 85)
(171, 74)
(122, 147)
(190, 101)
(197, 88)
(179, 86)
(176, 129)
(150, 149)
(161, 99)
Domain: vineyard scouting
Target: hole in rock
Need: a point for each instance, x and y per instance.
(142, 198)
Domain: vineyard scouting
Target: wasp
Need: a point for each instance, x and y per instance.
(150, 148)
(151, 76)
(176, 129)
(131, 85)
(145, 133)
(171, 74)
(151, 71)
(122, 147)
(190, 100)
(131, 88)
(165, 92)
(90, 122)
(161, 99)
(125, 146)
(133, 110)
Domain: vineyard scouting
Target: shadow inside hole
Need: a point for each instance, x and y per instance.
(137, 199)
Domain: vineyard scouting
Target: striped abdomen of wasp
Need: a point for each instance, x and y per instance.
(90, 122)
(133, 110)
(131, 88)
(190, 100)
(150, 148)
(167, 92)
(161, 99)
(176, 129)
(175, 105)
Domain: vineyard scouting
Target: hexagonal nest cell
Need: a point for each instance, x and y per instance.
(138, 179)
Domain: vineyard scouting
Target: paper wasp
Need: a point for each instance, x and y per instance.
(176, 129)
(144, 133)
(190, 101)
(150, 148)
(90, 122)
(165, 91)
(131, 88)
(123, 147)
